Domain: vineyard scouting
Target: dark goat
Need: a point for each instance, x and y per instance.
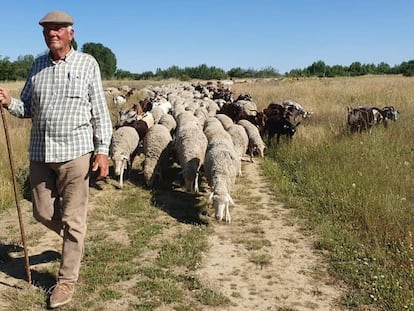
(390, 113)
(245, 96)
(277, 125)
(364, 118)
(277, 109)
(140, 126)
(231, 110)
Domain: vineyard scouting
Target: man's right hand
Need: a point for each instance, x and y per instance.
(5, 98)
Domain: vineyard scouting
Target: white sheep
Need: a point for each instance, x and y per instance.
(225, 120)
(157, 147)
(119, 99)
(248, 107)
(168, 121)
(221, 167)
(214, 130)
(123, 149)
(256, 143)
(240, 141)
(201, 114)
(157, 113)
(190, 145)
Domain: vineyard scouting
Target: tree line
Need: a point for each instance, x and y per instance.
(18, 70)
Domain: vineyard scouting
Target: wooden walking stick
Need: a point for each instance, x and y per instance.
(26, 255)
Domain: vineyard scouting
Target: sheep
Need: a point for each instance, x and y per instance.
(221, 166)
(256, 143)
(162, 103)
(240, 141)
(225, 120)
(157, 112)
(168, 121)
(123, 149)
(190, 145)
(157, 148)
(201, 113)
(119, 99)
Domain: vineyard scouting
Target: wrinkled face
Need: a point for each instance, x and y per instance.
(58, 37)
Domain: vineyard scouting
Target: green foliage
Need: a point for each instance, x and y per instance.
(7, 70)
(104, 56)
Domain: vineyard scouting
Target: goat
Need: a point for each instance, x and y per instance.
(390, 113)
(279, 125)
(296, 109)
(364, 118)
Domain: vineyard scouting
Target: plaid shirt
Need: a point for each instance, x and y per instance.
(68, 108)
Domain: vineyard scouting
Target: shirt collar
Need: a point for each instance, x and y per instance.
(64, 59)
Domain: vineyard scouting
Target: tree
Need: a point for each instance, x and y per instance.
(407, 68)
(317, 69)
(104, 56)
(7, 71)
(22, 66)
(355, 69)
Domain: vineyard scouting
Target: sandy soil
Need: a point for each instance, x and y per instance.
(292, 276)
(295, 278)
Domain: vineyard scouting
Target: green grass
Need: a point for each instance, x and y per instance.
(357, 193)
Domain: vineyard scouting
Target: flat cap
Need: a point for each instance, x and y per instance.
(57, 17)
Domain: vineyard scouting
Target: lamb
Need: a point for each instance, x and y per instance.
(123, 149)
(157, 148)
(256, 143)
(190, 145)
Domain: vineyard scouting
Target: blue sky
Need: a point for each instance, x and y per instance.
(283, 34)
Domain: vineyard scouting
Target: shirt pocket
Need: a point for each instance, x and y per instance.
(76, 86)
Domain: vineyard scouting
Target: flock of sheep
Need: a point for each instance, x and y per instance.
(203, 129)
(198, 126)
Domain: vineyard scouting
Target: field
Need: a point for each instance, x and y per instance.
(322, 223)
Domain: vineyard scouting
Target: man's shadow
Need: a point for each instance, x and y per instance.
(16, 266)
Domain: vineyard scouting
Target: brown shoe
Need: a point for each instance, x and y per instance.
(61, 294)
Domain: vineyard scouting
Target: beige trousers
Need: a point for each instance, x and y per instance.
(60, 202)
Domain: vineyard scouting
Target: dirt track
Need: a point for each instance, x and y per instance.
(291, 275)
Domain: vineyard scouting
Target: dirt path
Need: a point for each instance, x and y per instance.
(261, 261)
(294, 277)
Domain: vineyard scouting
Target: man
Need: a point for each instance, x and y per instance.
(71, 132)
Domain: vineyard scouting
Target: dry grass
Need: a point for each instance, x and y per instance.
(355, 190)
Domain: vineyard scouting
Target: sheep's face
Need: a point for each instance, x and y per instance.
(221, 203)
(120, 163)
